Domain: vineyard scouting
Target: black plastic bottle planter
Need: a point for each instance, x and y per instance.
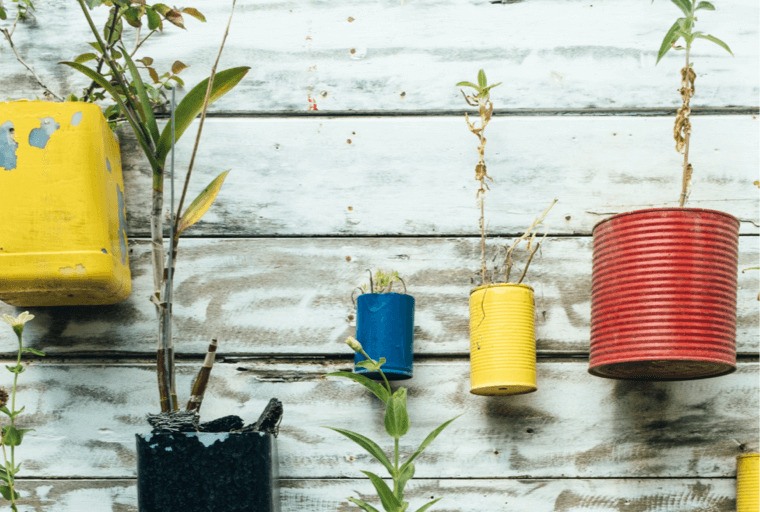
(209, 472)
(385, 328)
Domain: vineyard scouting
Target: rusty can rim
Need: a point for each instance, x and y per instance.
(500, 285)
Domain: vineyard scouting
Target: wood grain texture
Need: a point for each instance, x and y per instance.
(318, 495)
(293, 296)
(415, 176)
(575, 426)
(398, 55)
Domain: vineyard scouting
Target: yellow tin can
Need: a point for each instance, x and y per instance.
(63, 238)
(502, 340)
(748, 482)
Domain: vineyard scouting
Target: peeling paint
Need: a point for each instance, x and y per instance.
(78, 270)
(39, 137)
(8, 146)
(76, 119)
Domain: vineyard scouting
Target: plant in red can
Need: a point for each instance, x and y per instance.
(664, 279)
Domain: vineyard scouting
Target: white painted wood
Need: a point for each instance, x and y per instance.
(415, 176)
(293, 296)
(85, 415)
(497, 495)
(399, 55)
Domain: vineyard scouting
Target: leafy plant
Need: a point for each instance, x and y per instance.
(683, 30)
(11, 435)
(481, 98)
(382, 282)
(397, 424)
(116, 76)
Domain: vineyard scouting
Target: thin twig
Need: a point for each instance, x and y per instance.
(9, 37)
(206, 100)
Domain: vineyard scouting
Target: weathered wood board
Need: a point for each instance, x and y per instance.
(283, 296)
(415, 176)
(85, 416)
(399, 55)
(498, 495)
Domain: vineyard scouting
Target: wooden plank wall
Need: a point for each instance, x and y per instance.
(381, 176)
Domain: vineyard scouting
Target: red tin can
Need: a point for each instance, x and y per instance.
(663, 303)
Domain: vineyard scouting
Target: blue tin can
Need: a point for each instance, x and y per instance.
(385, 328)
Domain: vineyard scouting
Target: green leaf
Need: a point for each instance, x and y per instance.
(162, 9)
(201, 204)
(195, 13)
(468, 84)
(13, 436)
(369, 446)
(377, 389)
(85, 57)
(30, 350)
(715, 40)
(192, 103)
(17, 369)
(363, 505)
(132, 15)
(482, 79)
(429, 504)
(154, 19)
(705, 5)
(146, 110)
(405, 474)
(3, 14)
(429, 439)
(369, 365)
(6, 492)
(684, 5)
(670, 38)
(396, 416)
(4, 409)
(387, 498)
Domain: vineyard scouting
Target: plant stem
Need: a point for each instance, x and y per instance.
(8, 36)
(481, 200)
(395, 467)
(687, 90)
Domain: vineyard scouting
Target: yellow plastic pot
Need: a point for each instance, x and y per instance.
(63, 238)
(748, 482)
(502, 340)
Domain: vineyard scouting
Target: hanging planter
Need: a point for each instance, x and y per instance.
(664, 283)
(664, 295)
(385, 327)
(63, 239)
(502, 340)
(502, 319)
(215, 472)
(748, 482)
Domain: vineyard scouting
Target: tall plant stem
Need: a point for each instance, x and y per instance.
(687, 89)
(481, 200)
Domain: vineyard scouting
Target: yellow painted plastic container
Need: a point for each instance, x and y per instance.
(502, 340)
(748, 482)
(63, 237)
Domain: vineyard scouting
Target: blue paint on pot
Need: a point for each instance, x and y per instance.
(8, 146)
(39, 137)
(385, 328)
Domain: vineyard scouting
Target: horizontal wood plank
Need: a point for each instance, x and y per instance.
(414, 176)
(319, 495)
(399, 56)
(293, 296)
(85, 417)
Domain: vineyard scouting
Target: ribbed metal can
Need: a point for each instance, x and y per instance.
(502, 340)
(385, 328)
(748, 482)
(663, 304)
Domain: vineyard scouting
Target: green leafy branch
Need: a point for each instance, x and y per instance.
(381, 282)
(683, 29)
(11, 435)
(396, 421)
(122, 83)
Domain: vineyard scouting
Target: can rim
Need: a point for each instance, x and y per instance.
(748, 455)
(499, 285)
(665, 209)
